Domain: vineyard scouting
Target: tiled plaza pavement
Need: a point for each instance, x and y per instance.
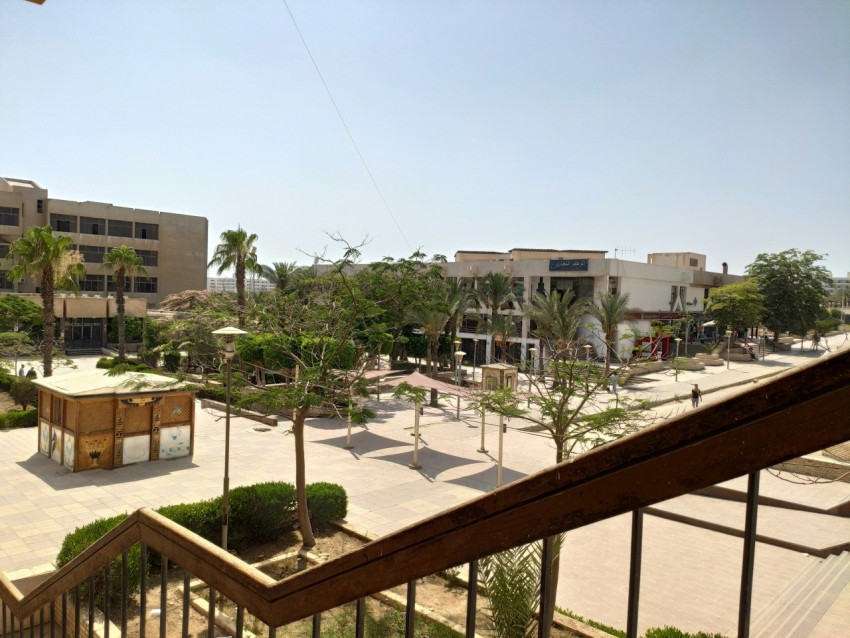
(690, 576)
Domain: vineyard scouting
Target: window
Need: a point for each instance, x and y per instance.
(694, 262)
(57, 411)
(92, 283)
(5, 284)
(147, 231)
(145, 284)
(110, 283)
(93, 225)
(120, 228)
(92, 254)
(64, 223)
(149, 257)
(4, 250)
(9, 216)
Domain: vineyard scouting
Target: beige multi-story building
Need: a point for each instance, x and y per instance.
(173, 247)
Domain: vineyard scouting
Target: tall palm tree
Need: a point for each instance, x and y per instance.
(237, 251)
(557, 319)
(48, 259)
(123, 262)
(458, 299)
(494, 291)
(282, 274)
(431, 321)
(503, 330)
(610, 310)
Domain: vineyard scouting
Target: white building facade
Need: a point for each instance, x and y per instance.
(669, 287)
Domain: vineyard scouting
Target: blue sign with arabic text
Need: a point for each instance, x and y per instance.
(567, 264)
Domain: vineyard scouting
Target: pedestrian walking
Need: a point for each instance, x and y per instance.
(696, 395)
(31, 373)
(614, 378)
(21, 371)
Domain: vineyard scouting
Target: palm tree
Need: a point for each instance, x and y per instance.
(123, 262)
(557, 319)
(494, 291)
(282, 274)
(237, 251)
(503, 330)
(431, 321)
(458, 299)
(610, 310)
(48, 259)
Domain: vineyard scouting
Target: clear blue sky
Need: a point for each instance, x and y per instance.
(717, 127)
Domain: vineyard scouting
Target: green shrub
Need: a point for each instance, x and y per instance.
(22, 419)
(326, 502)
(6, 379)
(171, 361)
(260, 513)
(201, 517)
(672, 632)
(80, 539)
(105, 363)
(24, 393)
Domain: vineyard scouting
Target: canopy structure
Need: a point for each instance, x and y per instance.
(419, 380)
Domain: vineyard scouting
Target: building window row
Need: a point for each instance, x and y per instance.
(97, 283)
(149, 257)
(99, 226)
(9, 216)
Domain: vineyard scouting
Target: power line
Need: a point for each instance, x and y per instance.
(345, 126)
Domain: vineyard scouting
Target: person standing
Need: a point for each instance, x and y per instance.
(614, 379)
(31, 373)
(696, 395)
(21, 371)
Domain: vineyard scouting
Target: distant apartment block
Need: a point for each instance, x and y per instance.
(228, 284)
(173, 247)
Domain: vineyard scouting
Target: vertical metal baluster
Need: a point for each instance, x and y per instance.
(240, 620)
(745, 603)
(472, 599)
(317, 625)
(163, 594)
(32, 625)
(53, 619)
(545, 580)
(77, 611)
(21, 627)
(634, 574)
(143, 592)
(273, 630)
(124, 559)
(211, 616)
(410, 609)
(187, 578)
(360, 622)
(65, 615)
(91, 606)
(106, 601)
(41, 622)
(3, 611)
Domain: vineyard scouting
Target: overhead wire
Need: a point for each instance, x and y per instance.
(345, 126)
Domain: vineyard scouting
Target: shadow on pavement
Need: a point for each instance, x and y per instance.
(59, 477)
(365, 442)
(431, 460)
(486, 481)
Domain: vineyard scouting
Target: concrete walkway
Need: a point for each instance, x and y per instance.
(690, 576)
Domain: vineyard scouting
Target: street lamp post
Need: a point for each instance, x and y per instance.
(532, 352)
(474, 358)
(455, 348)
(459, 355)
(728, 347)
(230, 333)
(678, 340)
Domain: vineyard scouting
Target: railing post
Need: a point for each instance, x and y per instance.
(410, 609)
(143, 591)
(745, 604)
(634, 574)
(124, 559)
(106, 601)
(546, 556)
(163, 594)
(360, 621)
(472, 599)
(211, 612)
(187, 580)
(317, 626)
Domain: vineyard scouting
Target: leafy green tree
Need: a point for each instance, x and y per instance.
(237, 250)
(494, 292)
(24, 393)
(19, 314)
(458, 299)
(16, 344)
(794, 287)
(48, 259)
(610, 310)
(557, 319)
(503, 331)
(736, 306)
(123, 262)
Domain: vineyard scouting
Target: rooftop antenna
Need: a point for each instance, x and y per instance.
(623, 250)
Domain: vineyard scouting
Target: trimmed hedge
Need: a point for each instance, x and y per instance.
(672, 632)
(326, 502)
(258, 513)
(133, 365)
(19, 419)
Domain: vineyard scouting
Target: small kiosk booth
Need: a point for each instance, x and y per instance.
(89, 420)
(498, 375)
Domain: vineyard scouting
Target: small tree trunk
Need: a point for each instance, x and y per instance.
(307, 538)
(119, 301)
(49, 320)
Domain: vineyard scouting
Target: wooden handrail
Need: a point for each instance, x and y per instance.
(794, 414)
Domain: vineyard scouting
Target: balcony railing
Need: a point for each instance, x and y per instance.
(795, 414)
